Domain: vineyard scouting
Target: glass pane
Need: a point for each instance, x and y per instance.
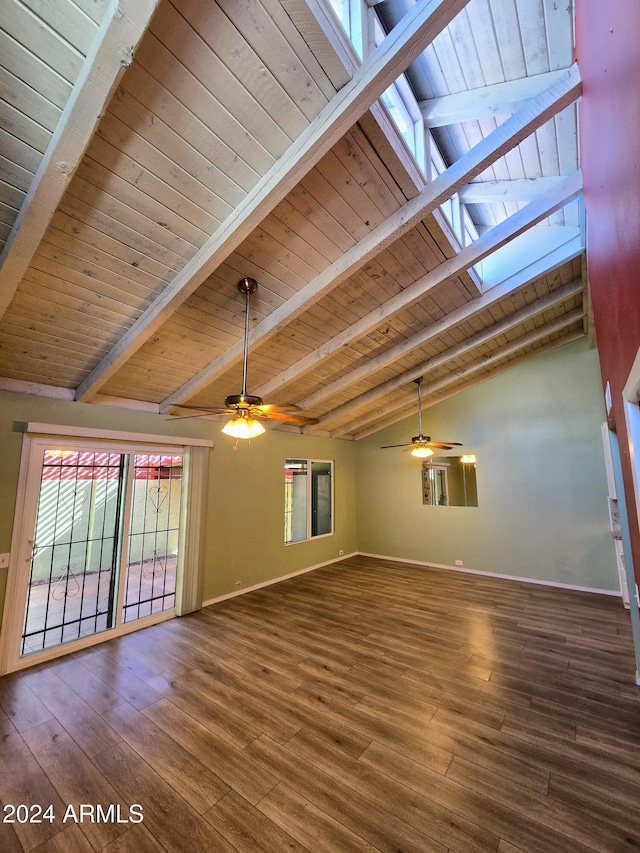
(73, 572)
(320, 498)
(153, 536)
(295, 500)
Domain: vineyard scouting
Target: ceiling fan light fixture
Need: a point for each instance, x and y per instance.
(422, 452)
(243, 426)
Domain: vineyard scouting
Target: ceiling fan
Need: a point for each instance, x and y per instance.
(422, 444)
(247, 410)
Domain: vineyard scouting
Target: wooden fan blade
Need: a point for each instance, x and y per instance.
(440, 445)
(202, 411)
(388, 446)
(285, 407)
(298, 420)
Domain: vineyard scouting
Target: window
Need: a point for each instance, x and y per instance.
(362, 26)
(350, 15)
(308, 499)
(403, 107)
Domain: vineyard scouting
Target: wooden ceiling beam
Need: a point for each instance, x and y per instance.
(451, 392)
(110, 54)
(439, 384)
(516, 224)
(490, 297)
(503, 326)
(405, 42)
(500, 99)
(519, 191)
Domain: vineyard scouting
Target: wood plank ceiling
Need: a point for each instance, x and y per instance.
(154, 153)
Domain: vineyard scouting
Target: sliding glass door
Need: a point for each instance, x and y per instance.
(102, 532)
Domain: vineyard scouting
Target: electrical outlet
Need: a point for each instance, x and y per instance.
(459, 563)
(238, 584)
(4, 561)
(340, 552)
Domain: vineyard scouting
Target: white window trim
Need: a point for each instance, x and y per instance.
(114, 435)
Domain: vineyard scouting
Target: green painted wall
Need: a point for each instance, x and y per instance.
(245, 537)
(541, 480)
(245, 514)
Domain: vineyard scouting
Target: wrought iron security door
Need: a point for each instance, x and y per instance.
(105, 543)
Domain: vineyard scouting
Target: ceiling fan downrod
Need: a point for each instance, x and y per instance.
(247, 286)
(420, 436)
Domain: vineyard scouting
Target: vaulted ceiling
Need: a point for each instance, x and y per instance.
(155, 152)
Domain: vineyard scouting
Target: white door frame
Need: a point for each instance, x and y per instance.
(25, 511)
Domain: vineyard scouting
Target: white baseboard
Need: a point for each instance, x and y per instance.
(468, 571)
(414, 563)
(277, 580)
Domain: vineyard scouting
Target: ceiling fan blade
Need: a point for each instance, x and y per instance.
(298, 420)
(285, 407)
(202, 411)
(388, 446)
(440, 445)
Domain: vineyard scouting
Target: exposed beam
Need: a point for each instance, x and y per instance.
(520, 191)
(404, 43)
(36, 389)
(566, 253)
(533, 213)
(122, 27)
(500, 99)
(451, 392)
(484, 336)
(503, 139)
(439, 384)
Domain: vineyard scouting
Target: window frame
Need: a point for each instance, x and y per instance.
(310, 536)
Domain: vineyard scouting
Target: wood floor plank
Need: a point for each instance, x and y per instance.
(88, 686)
(486, 810)
(231, 765)
(309, 825)
(108, 669)
(23, 782)
(75, 778)
(21, 704)
(578, 826)
(448, 826)
(191, 778)
(244, 826)
(232, 728)
(619, 803)
(88, 729)
(70, 840)
(258, 719)
(8, 839)
(175, 825)
(378, 824)
(135, 840)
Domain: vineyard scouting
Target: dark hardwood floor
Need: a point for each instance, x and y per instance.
(365, 706)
